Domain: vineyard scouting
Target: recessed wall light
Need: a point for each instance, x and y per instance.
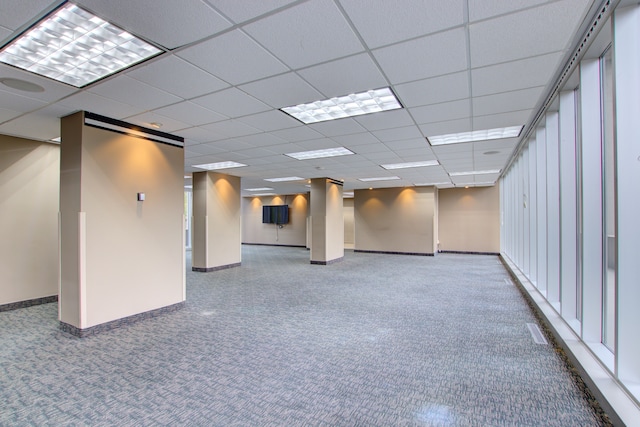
(73, 46)
(476, 135)
(318, 154)
(284, 179)
(355, 104)
(220, 165)
(411, 164)
(381, 178)
(474, 172)
(259, 189)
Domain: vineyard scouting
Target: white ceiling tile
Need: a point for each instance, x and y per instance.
(53, 90)
(531, 32)
(4, 35)
(385, 120)
(13, 14)
(442, 112)
(316, 144)
(505, 144)
(234, 58)
(88, 101)
(6, 114)
(168, 124)
(489, 8)
(356, 73)
(450, 151)
(408, 154)
(166, 22)
(346, 126)
(396, 134)
(130, 91)
(508, 101)
(271, 120)
(522, 74)
(240, 11)
(207, 148)
(282, 91)
(306, 34)
(231, 128)
(41, 125)
(407, 144)
(177, 76)
(14, 100)
(429, 56)
(232, 102)
(300, 133)
(262, 140)
(355, 139)
(442, 128)
(492, 121)
(190, 113)
(196, 135)
(382, 22)
(434, 90)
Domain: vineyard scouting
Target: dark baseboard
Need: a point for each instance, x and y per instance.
(333, 261)
(270, 244)
(393, 253)
(28, 303)
(470, 253)
(115, 324)
(210, 269)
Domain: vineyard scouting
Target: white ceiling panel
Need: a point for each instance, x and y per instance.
(338, 127)
(231, 128)
(508, 101)
(306, 34)
(385, 120)
(240, 11)
(5, 34)
(6, 114)
(522, 74)
(407, 144)
(282, 91)
(442, 128)
(168, 124)
(492, 121)
(88, 101)
(133, 92)
(490, 8)
(232, 102)
(382, 22)
(435, 90)
(442, 112)
(14, 14)
(166, 22)
(396, 134)
(42, 125)
(350, 141)
(177, 76)
(300, 133)
(531, 32)
(409, 154)
(14, 100)
(347, 75)
(262, 140)
(209, 149)
(271, 120)
(53, 90)
(429, 56)
(234, 57)
(190, 113)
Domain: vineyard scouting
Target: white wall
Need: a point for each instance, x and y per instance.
(292, 234)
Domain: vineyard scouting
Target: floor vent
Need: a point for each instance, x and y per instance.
(536, 334)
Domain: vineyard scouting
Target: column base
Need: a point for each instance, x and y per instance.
(210, 269)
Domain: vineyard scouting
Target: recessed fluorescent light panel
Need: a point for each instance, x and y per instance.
(411, 164)
(382, 178)
(351, 105)
(75, 47)
(318, 154)
(474, 172)
(259, 189)
(263, 194)
(284, 179)
(220, 165)
(476, 135)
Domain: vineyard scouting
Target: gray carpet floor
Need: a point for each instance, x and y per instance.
(375, 340)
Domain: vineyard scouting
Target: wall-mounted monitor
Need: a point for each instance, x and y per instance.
(275, 214)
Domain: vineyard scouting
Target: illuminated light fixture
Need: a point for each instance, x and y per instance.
(318, 154)
(476, 135)
(411, 164)
(220, 165)
(381, 178)
(355, 104)
(187, 177)
(259, 189)
(57, 139)
(73, 46)
(155, 125)
(474, 172)
(263, 194)
(284, 179)
(347, 194)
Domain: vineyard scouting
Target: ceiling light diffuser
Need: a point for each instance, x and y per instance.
(259, 189)
(318, 154)
(382, 178)
(476, 135)
(220, 165)
(354, 104)
(283, 179)
(75, 47)
(411, 164)
(474, 172)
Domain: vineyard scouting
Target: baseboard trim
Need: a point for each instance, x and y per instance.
(394, 253)
(333, 261)
(210, 269)
(274, 244)
(470, 253)
(28, 303)
(119, 323)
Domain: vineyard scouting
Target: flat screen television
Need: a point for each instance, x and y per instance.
(275, 214)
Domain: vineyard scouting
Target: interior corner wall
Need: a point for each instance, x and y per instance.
(29, 189)
(397, 220)
(469, 219)
(292, 234)
(119, 256)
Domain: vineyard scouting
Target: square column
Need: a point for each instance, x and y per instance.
(327, 221)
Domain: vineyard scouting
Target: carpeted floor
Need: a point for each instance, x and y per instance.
(375, 340)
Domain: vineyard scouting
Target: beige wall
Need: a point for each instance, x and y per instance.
(469, 219)
(292, 234)
(349, 223)
(119, 256)
(29, 189)
(395, 220)
(216, 220)
(327, 221)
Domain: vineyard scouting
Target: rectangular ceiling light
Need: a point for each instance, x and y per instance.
(75, 47)
(411, 164)
(263, 194)
(476, 135)
(259, 189)
(382, 178)
(219, 165)
(355, 104)
(318, 154)
(474, 172)
(284, 179)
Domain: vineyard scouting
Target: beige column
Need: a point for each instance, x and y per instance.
(327, 221)
(216, 221)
